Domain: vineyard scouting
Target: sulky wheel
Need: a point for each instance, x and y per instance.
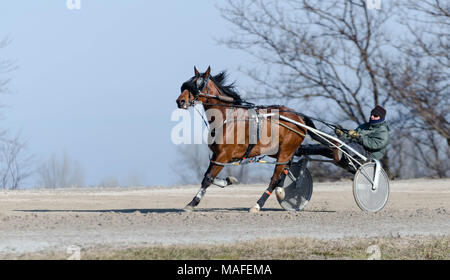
(368, 197)
(296, 189)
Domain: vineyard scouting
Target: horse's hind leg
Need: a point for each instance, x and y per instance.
(208, 179)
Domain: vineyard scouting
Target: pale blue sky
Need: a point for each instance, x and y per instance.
(100, 83)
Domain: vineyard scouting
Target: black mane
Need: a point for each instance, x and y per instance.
(220, 81)
(230, 90)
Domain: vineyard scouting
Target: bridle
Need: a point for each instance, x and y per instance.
(200, 87)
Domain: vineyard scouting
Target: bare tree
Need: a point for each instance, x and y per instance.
(134, 179)
(347, 58)
(418, 78)
(6, 66)
(191, 163)
(418, 153)
(325, 50)
(15, 164)
(60, 172)
(109, 182)
(428, 22)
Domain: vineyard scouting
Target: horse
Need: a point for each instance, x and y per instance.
(213, 93)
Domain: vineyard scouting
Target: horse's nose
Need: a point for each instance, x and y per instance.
(180, 103)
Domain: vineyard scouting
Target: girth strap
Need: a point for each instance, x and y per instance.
(254, 131)
(248, 151)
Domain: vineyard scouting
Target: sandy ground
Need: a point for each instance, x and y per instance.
(52, 220)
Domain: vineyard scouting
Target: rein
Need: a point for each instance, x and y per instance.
(247, 105)
(203, 83)
(220, 97)
(251, 105)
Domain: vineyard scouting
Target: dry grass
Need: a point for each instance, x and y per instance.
(395, 248)
(288, 249)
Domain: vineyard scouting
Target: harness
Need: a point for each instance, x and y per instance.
(254, 121)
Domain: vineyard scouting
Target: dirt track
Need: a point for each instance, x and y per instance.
(51, 220)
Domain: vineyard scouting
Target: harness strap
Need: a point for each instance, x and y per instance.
(291, 129)
(220, 97)
(240, 162)
(203, 118)
(248, 151)
(253, 120)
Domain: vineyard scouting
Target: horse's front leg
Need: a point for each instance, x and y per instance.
(206, 182)
(208, 179)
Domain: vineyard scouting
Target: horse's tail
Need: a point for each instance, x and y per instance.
(313, 135)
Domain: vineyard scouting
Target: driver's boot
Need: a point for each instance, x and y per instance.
(336, 153)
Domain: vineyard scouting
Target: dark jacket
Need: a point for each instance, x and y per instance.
(373, 137)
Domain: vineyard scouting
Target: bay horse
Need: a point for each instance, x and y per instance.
(213, 93)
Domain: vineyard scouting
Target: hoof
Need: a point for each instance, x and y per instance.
(279, 192)
(254, 209)
(231, 180)
(188, 208)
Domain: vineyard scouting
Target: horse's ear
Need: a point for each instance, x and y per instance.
(208, 72)
(196, 72)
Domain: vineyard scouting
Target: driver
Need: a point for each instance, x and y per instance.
(370, 139)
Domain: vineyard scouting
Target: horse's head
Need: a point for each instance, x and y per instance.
(191, 89)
